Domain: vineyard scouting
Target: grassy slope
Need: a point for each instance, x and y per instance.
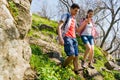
(47, 70)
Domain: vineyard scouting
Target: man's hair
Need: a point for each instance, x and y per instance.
(74, 5)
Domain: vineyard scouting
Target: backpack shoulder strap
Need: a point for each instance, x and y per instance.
(81, 21)
(66, 21)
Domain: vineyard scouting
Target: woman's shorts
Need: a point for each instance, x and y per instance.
(87, 39)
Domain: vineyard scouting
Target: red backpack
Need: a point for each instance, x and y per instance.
(81, 21)
(94, 31)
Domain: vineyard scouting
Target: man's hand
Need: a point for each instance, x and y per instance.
(61, 41)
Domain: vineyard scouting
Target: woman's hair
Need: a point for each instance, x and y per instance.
(90, 10)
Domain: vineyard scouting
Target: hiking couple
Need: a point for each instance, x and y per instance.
(68, 37)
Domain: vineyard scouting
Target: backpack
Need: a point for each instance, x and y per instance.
(66, 21)
(81, 21)
(94, 31)
(64, 28)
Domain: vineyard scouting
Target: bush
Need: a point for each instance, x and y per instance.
(36, 50)
(117, 75)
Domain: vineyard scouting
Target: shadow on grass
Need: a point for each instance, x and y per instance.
(36, 50)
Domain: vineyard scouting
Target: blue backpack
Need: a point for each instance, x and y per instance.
(64, 28)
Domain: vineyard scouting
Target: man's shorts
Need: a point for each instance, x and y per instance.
(70, 46)
(87, 39)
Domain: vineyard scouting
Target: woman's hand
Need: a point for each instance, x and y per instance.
(88, 20)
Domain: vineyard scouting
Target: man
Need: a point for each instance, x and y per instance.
(68, 39)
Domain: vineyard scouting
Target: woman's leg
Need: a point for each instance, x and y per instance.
(91, 54)
(88, 48)
(85, 40)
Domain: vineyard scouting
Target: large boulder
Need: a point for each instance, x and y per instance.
(92, 73)
(44, 26)
(110, 65)
(15, 52)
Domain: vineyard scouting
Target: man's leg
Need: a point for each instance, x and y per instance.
(75, 60)
(68, 60)
(75, 63)
(68, 47)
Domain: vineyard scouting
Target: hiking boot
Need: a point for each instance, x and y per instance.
(91, 66)
(77, 71)
(84, 64)
(61, 64)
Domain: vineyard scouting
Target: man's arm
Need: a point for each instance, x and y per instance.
(61, 41)
(81, 27)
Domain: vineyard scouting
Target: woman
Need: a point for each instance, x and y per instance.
(85, 31)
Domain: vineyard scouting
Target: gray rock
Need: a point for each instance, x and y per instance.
(109, 65)
(44, 26)
(15, 51)
(118, 63)
(92, 73)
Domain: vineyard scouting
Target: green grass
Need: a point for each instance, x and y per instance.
(48, 33)
(100, 61)
(37, 20)
(81, 46)
(47, 69)
(116, 75)
(13, 8)
(108, 75)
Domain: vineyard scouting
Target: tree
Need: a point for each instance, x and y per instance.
(114, 17)
(67, 4)
(107, 18)
(47, 11)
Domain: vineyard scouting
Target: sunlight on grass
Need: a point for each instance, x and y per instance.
(48, 70)
(37, 20)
